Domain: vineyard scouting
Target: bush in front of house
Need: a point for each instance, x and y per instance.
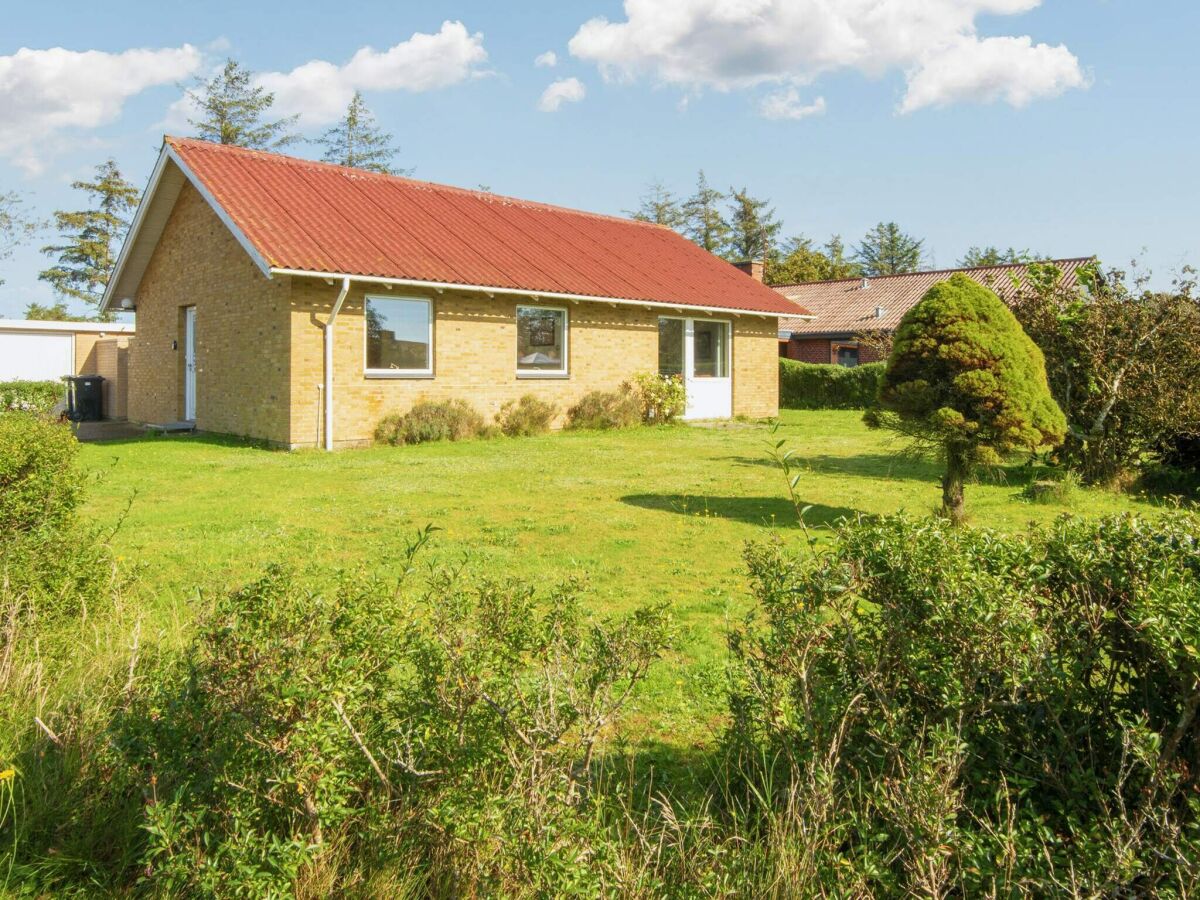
(924, 710)
(817, 386)
(431, 420)
(663, 397)
(525, 417)
(602, 410)
(31, 396)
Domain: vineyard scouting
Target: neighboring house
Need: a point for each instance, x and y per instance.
(300, 302)
(36, 350)
(843, 310)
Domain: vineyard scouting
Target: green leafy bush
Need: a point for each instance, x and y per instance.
(528, 416)
(442, 730)
(663, 397)
(606, 409)
(40, 485)
(814, 386)
(930, 710)
(31, 396)
(1062, 488)
(431, 420)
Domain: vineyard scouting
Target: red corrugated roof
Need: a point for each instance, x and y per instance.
(326, 219)
(845, 307)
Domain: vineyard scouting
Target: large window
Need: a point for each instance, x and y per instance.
(541, 341)
(670, 346)
(399, 336)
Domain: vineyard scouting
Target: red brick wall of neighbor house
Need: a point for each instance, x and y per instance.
(820, 350)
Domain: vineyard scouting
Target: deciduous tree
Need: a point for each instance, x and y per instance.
(358, 141)
(965, 381)
(16, 224)
(233, 110)
(886, 250)
(85, 258)
(979, 257)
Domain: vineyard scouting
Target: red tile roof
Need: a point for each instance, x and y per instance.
(328, 219)
(844, 307)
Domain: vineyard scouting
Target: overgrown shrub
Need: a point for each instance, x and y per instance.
(40, 485)
(431, 420)
(606, 409)
(441, 731)
(930, 710)
(31, 396)
(815, 386)
(1061, 488)
(528, 416)
(663, 397)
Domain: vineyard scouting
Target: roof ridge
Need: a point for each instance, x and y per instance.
(351, 172)
(997, 267)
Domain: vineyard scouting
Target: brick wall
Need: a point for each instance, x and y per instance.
(821, 350)
(242, 331)
(475, 359)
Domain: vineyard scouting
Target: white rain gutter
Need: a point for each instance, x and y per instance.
(328, 387)
(441, 286)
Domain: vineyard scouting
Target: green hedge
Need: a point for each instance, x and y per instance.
(31, 396)
(814, 386)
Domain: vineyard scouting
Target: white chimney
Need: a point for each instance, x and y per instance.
(880, 312)
(866, 284)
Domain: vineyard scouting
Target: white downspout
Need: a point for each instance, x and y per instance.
(328, 388)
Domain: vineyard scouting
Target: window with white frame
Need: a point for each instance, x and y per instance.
(541, 341)
(399, 336)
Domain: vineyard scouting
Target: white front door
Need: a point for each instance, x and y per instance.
(700, 351)
(189, 363)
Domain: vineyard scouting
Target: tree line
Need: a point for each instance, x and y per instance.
(231, 109)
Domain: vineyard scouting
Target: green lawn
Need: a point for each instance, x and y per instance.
(646, 514)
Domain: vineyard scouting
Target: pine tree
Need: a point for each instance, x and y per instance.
(886, 250)
(232, 111)
(658, 205)
(16, 225)
(979, 257)
(84, 261)
(358, 141)
(702, 219)
(753, 228)
(840, 265)
(966, 382)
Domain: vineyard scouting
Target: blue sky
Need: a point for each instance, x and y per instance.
(934, 113)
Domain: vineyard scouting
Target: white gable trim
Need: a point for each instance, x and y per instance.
(168, 154)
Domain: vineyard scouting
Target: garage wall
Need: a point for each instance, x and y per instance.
(36, 356)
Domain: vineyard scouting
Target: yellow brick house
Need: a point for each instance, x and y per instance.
(300, 302)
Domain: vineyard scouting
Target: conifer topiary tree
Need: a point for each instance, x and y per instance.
(965, 380)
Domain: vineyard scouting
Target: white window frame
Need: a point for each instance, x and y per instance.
(426, 372)
(689, 358)
(565, 371)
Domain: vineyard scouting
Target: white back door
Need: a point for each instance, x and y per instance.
(709, 383)
(189, 363)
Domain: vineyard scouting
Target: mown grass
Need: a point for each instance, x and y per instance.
(643, 514)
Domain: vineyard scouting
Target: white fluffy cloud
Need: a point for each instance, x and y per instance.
(786, 104)
(565, 90)
(44, 93)
(738, 44)
(320, 91)
(548, 60)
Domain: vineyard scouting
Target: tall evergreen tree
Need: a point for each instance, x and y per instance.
(753, 228)
(16, 225)
(358, 141)
(233, 110)
(978, 257)
(702, 219)
(840, 265)
(886, 250)
(658, 205)
(85, 258)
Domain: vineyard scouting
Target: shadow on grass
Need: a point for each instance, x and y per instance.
(864, 465)
(767, 511)
(199, 437)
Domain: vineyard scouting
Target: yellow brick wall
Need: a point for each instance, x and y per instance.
(475, 359)
(242, 331)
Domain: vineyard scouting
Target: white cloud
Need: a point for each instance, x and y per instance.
(320, 91)
(47, 93)
(548, 60)
(786, 104)
(565, 90)
(730, 45)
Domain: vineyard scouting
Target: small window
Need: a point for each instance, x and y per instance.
(541, 341)
(399, 336)
(670, 346)
(847, 356)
